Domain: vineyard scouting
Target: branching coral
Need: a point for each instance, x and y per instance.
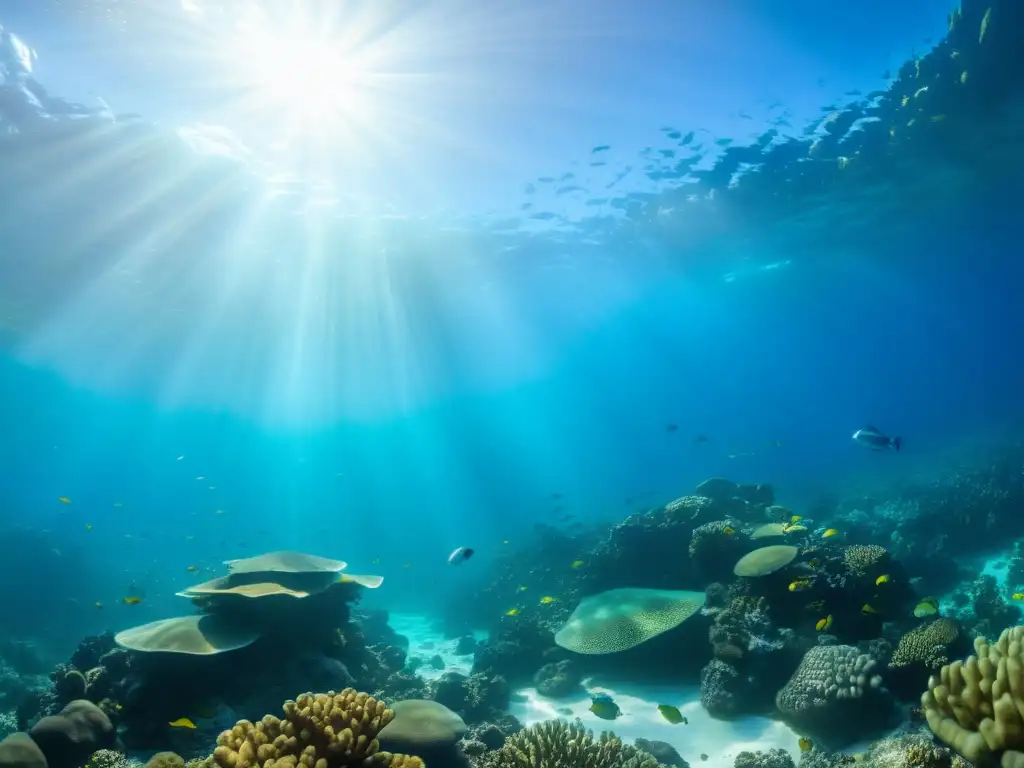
(558, 744)
(976, 706)
(318, 731)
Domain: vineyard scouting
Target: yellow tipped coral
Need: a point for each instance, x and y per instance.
(976, 706)
(324, 730)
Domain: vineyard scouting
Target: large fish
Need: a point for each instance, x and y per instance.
(876, 440)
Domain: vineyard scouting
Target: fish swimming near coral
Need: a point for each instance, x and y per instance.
(875, 440)
(824, 624)
(927, 607)
(672, 714)
(830, 533)
(460, 555)
(805, 744)
(182, 722)
(1017, 596)
(883, 579)
(602, 705)
(548, 600)
(799, 585)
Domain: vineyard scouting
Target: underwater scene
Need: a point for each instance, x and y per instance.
(511, 385)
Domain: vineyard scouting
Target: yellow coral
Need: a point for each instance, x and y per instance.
(324, 730)
(927, 644)
(976, 706)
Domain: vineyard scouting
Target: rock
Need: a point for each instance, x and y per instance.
(69, 738)
(465, 645)
(436, 662)
(557, 680)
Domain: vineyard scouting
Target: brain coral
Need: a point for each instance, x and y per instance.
(834, 687)
(558, 744)
(976, 706)
(318, 731)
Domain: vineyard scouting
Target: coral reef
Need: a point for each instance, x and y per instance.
(922, 651)
(425, 729)
(558, 679)
(477, 698)
(911, 750)
(835, 695)
(318, 731)
(557, 744)
(64, 740)
(773, 758)
(975, 706)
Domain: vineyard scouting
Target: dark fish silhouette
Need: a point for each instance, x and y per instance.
(875, 440)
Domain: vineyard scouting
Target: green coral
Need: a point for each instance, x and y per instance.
(928, 645)
(862, 559)
(558, 744)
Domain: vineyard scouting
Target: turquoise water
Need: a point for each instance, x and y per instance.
(498, 270)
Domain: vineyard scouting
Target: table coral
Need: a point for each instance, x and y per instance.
(318, 731)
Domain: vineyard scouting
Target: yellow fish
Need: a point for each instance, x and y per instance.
(883, 579)
(824, 624)
(182, 722)
(799, 585)
(577, 563)
(547, 600)
(729, 530)
(672, 714)
(830, 533)
(867, 608)
(795, 519)
(63, 499)
(88, 526)
(927, 608)
(1018, 595)
(131, 600)
(512, 612)
(806, 745)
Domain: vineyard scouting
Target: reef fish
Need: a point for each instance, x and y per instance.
(460, 555)
(883, 579)
(182, 722)
(806, 745)
(1017, 596)
(830, 533)
(824, 624)
(927, 607)
(604, 706)
(672, 714)
(875, 440)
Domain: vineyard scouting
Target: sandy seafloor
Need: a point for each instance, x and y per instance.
(721, 741)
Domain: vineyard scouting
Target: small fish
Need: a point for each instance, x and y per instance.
(1017, 596)
(182, 722)
(505, 542)
(793, 528)
(605, 707)
(180, 458)
(729, 530)
(131, 600)
(88, 526)
(201, 477)
(701, 439)
(806, 745)
(98, 605)
(460, 555)
(824, 624)
(512, 612)
(795, 519)
(703, 755)
(883, 579)
(191, 568)
(830, 533)
(671, 427)
(577, 564)
(375, 561)
(522, 588)
(63, 499)
(799, 585)
(547, 600)
(672, 714)
(876, 440)
(118, 504)
(927, 608)
(867, 608)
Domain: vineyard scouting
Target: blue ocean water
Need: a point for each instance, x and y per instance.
(556, 260)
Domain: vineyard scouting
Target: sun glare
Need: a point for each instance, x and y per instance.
(303, 76)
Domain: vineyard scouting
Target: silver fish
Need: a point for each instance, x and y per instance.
(460, 555)
(875, 440)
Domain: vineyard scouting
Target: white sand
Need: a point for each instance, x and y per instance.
(720, 741)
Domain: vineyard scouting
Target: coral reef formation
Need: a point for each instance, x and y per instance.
(557, 744)
(327, 730)
(835, 689)
(64, 740)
